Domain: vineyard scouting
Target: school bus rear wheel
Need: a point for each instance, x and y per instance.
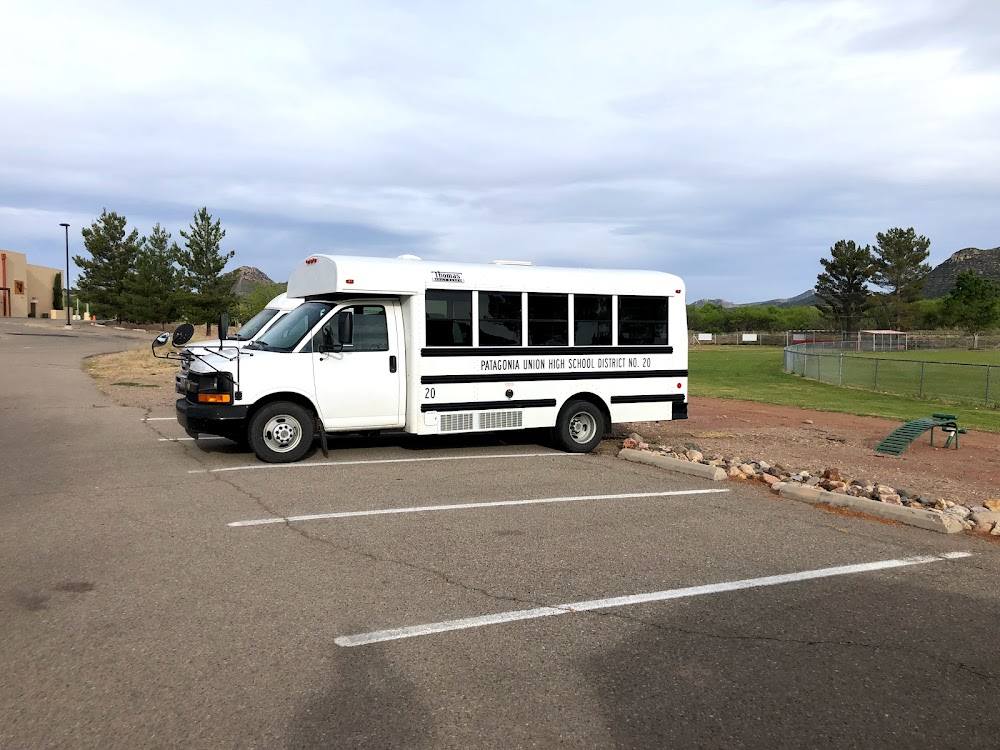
(580, 427)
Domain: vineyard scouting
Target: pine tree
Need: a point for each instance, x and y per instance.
(58, 293)
(112, 262)
(152, 294)
(208, 288)
(843, 285)
(899, 267)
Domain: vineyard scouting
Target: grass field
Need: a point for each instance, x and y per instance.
(755, 374)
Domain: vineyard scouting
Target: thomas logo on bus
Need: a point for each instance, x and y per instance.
(450, 277)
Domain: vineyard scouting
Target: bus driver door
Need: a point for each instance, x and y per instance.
(359, 382)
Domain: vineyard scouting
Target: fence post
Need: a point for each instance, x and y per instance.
(876, 374)
(840, 370)
(922, 363)
(819, 361)
(989, 369)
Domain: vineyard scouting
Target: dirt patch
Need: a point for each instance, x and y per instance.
(813, 440)
(134, 377)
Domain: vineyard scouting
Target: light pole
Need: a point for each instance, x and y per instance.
(65, 226)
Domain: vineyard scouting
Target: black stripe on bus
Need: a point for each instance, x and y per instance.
(544, 351)
(536, 376)
(653, 399)
(471, 405)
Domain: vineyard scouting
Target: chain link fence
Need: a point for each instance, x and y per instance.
(946, 381)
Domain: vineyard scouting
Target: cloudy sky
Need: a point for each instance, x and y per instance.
(730, 142)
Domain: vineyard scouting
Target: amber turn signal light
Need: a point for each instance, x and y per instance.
(213, 398)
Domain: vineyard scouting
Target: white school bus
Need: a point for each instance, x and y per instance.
(433, 347)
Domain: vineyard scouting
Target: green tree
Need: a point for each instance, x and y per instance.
(843, 284)
(899, 267)
(712, 318)
(208, 289)
(153, 292)
(928, 314)
(111, 263)
(256, 300)
(58, 293)
(801, 318)
(974, 304)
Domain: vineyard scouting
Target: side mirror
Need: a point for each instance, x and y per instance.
(161, 340)
(182, 335)
(345, 327)
(223, 327)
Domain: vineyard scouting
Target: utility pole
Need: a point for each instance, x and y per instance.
(66, 227)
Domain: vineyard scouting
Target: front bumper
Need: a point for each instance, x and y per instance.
(213, 419)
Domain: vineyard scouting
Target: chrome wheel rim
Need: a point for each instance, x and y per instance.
(582, 427)
(282, 433)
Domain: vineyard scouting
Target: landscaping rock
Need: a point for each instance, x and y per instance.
(959, 510)
(983, 519)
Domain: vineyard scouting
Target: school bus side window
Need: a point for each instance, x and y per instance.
(449, 317)
(592, 319)
(642, 320)
(548, 319)
(499, 319)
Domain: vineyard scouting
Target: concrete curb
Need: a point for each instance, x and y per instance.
(924, 519)
(713, 473)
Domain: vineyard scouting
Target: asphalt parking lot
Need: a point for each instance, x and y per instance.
(475, 592)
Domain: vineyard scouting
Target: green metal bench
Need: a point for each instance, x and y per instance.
(903, 436)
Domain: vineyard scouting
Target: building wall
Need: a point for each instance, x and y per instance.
(25, 282)
(40, 281)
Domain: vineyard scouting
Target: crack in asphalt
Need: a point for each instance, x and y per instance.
(439, 574)
(291, 526)
(959, 665)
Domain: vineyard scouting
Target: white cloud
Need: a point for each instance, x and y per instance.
(663, 134)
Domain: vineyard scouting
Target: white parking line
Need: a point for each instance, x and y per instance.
(466, 506)
(177, 440)
(157, 419)
(310, 464)
(414, 631)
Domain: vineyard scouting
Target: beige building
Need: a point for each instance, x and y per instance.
(25, 290)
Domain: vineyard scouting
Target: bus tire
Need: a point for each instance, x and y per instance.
(579, 428)
(281, 432)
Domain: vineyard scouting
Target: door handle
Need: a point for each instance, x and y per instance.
(392, 363)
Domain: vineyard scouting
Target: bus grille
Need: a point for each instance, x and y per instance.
(500, 420)
(456, 422)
